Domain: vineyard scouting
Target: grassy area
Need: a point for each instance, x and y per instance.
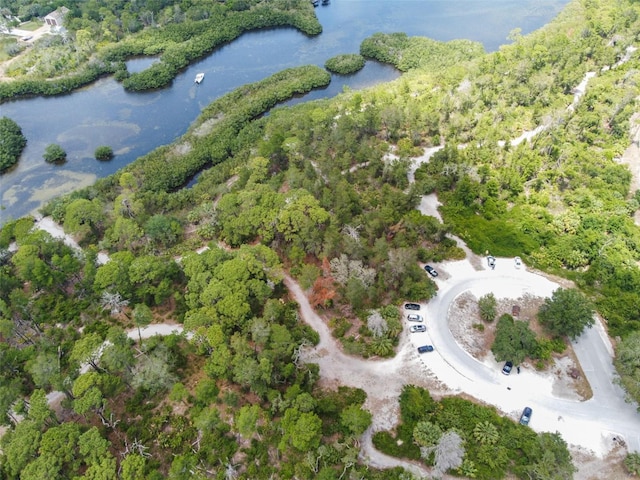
(5, 41)
(31, 25)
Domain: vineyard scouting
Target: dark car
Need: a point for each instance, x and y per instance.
(417, 328)
(425, 349)
(412, 306)
(430, 270)
(508, 366)
(526, 416)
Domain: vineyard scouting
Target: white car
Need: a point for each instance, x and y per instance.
(417, 328)
(414, 317)
(518, 262)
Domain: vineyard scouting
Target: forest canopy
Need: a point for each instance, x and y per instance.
(325, 194)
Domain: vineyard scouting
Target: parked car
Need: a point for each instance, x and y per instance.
(526, 416)
(491, 261)
(425, 349)
(412, 306)
(508, 366)
(414, 317)
(431, 271)
(518, 262)
(417, 328)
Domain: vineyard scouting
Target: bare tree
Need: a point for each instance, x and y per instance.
(230, 471)
(449, 453)
(352, 232)
(377, 324)
(342, 269)
(113, 301)
(136, 447)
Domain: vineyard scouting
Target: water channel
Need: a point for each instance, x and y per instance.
(135, 123)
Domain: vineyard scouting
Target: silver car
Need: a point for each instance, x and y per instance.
(417, 328)
(414, 317)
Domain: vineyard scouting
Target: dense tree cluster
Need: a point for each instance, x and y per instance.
(12, 142)
(567, 313)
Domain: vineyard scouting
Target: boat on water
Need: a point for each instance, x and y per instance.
(315, 2)
(199, 78)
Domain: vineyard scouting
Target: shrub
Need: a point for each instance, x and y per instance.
(54, 153)
(345, 64)
(103, 153)
(339, 326)
(487, 305)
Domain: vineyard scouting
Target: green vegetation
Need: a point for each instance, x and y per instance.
(491, 446)
(487, 305)
(632, 463)
(345, 64)
(104, 35)
(31, 25)
(628, 363)
(9, 47)
(54, 153)
(223, 122)
(12, 142)
(406, 53)
(567, 313)
(319, 191)
(514, 341)
(104, 153)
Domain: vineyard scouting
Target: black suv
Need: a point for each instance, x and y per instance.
(430, 270)
(507, 368)
(412, 306)
(526, 416)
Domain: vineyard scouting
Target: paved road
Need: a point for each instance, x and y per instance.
(590, 423)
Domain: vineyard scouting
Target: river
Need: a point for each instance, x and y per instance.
(135, 123)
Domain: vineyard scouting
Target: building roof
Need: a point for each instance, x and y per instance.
(58, 14)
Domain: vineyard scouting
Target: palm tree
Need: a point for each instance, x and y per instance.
(427, 434)
(485, 433)
(382, 346)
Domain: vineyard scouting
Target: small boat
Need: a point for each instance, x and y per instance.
(325, 2)
(199, 78)
(315, 2)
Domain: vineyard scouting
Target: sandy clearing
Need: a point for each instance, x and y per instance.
(162, 329)
(56, 231)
